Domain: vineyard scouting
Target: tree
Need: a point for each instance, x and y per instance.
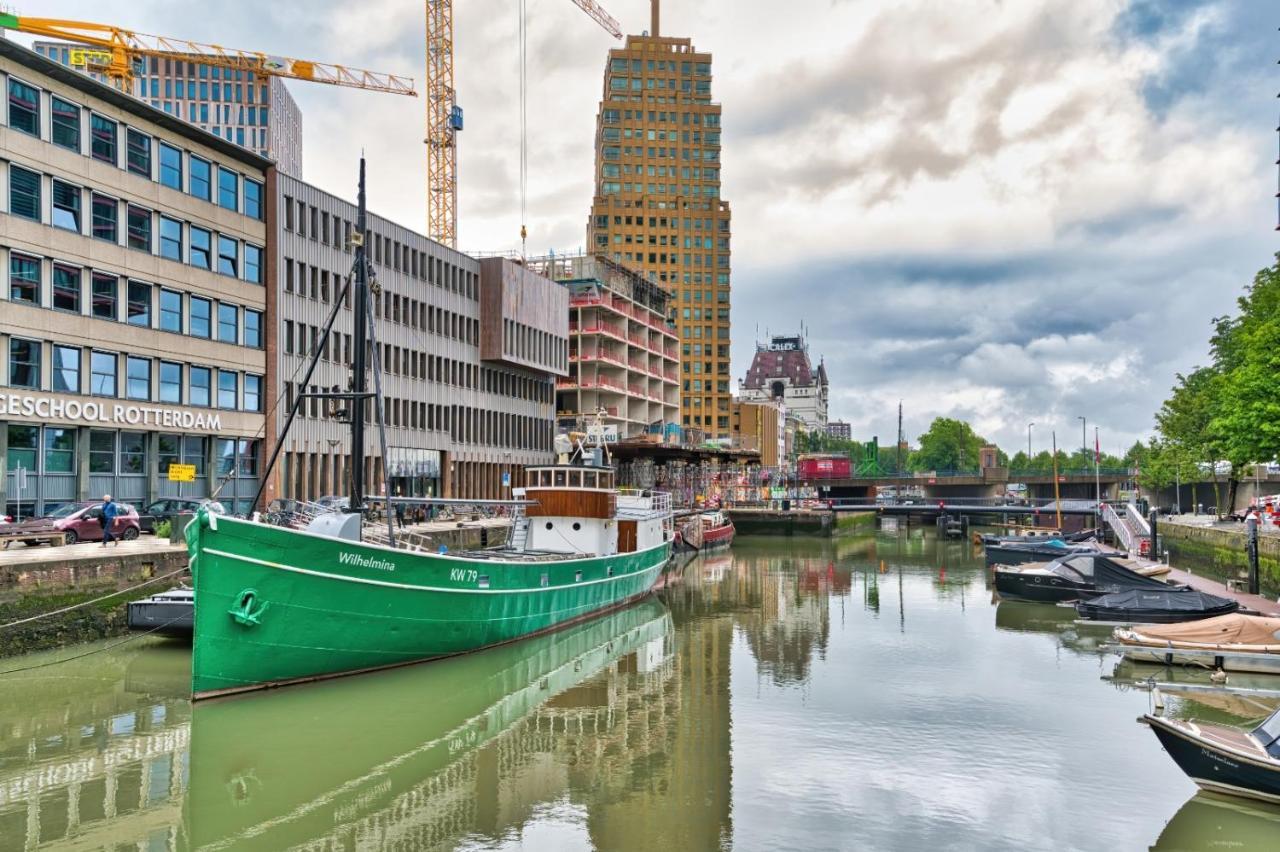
(1187, 425)
(1019, 462)
(948, 445)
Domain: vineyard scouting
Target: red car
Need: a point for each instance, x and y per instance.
(80, 522)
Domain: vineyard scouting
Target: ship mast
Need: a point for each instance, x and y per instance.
(360, 331)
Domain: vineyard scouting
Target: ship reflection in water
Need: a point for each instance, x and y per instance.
(758, 701)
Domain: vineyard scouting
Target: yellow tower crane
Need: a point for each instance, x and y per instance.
(444, 116)
(121, 49)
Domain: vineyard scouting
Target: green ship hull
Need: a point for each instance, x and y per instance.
(278, 606)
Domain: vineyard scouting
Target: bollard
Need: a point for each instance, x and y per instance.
(1251, 531)
(1155, 539)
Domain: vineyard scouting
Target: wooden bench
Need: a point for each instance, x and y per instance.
(55, 539)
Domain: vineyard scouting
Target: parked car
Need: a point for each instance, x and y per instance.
(170, 507)
(81, 522)
(333, 502)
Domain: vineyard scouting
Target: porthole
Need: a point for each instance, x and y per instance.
(548, 525)
(577, 526)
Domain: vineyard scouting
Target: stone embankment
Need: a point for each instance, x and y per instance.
(1194, 543)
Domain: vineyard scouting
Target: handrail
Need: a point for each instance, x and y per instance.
(1122, 530)
(1131, 511)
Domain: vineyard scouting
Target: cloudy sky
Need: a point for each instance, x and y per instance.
(1001, 210)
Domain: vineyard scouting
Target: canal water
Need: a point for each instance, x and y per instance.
(861, 693)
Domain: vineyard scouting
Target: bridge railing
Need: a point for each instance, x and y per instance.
(1122, 530)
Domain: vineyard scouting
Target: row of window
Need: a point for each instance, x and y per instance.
(335, 231)
(144, 230)
(98, 373)
(144, 305)
(112, 452)
(694, 155)
(687, 223)
(621, 63)
(669, 84)
(131, 149)
(532, 344)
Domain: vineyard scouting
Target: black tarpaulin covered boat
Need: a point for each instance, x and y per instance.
(1155, 606)
(1070, 578)
(1224, 759)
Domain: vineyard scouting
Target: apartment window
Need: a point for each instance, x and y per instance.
(66, 206)
(228, 389)
(24, 193)
(105, 213)
(24, 363)
(171, 311)
(228, 255)
(228, 323)
(24, 107)
(201, 179)
(252, 393)
(66, 369)
(138, 228)
(171, 238)
(171, 382)
(66, 124)
(24, 279)
(138, 307)
(138, 378)
(201, 311)
(138, 152)
(253, 264)
(201, 248)
(253, 199)
(228, 189)
(133, 452)
(105, 295)
(253, 329)
(171, 166)
(66, 288)
(102, 376)
(200, 386)
(102, 138)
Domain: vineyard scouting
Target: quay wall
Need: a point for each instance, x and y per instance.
(777, 522)
(1221, 552)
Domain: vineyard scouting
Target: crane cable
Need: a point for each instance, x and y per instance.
(524, 131)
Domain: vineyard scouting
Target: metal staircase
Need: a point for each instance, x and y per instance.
(519, 531)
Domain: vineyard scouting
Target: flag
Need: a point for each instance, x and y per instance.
(1097, 448)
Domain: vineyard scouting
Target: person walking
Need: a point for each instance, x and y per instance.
(400, 509)
(109, 512)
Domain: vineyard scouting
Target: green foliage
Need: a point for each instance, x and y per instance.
(948, 445)
(163, 529)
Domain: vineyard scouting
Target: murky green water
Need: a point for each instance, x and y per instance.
(852, 694)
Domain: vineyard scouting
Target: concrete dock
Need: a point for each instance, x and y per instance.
(1257, 603)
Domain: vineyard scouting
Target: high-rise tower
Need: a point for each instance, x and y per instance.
(657, 205)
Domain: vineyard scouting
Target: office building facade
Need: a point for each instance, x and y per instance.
(657, 205)
(132, 319)
(469, 352)
(251, 111)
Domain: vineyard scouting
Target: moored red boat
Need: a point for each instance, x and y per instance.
(706, 531)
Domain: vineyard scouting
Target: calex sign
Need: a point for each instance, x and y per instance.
(52, 408)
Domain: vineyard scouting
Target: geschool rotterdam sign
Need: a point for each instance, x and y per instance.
(109, 413)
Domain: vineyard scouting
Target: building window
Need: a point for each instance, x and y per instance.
(252, 264)
(252, 329)
(105, 296)
(24, 363)
(171, 238)
(23, 443)
(201, 315)
(24, 193)
(105, 211)
(224, 456)
(248, 453)
(66, 206)
(139, 305)
(228, 189)
(252, 393)
(201, 248)
(102, 138)
(171, 382)
(139, 228)
(59, 450)
(24, 107)
(139, 152)
(201, 381)
(228, 255)
(102, 374)
(137, 378)
(168, 449)
(228, 323)
(201, 179)
(102, 451)
(228, 387)
(66, 124)
(24, 279)
(133, 452)
(195, 451)
(252, 199)
(66, 288)
(66, 369)
(171, 166)
(171, 311)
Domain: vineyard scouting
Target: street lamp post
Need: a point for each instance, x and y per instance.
(1029, 425)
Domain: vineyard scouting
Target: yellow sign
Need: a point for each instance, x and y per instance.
(182, 473)
(81, 58)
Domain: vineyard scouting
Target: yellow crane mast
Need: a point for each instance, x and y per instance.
(444, 116)
(121, 48)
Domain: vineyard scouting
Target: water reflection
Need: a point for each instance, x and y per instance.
(1209, 822)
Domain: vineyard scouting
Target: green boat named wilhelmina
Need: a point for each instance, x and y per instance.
(278, 604)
